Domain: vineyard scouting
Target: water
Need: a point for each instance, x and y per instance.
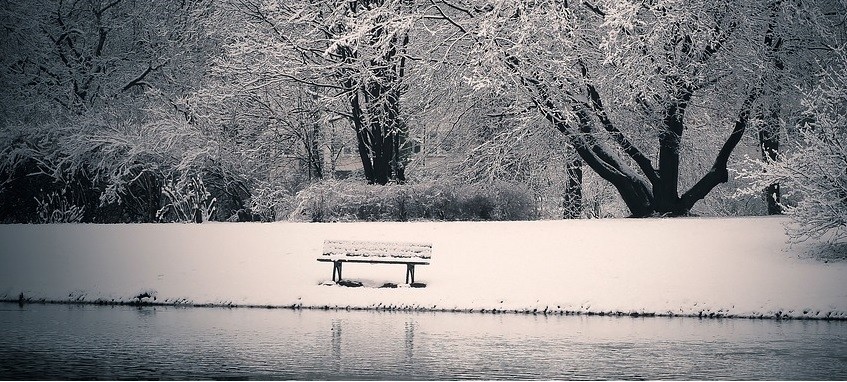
(95, 342)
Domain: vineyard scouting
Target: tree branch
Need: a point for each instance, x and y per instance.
(448, 18)
(139, 81)
(626, 145)
(456, 7)
(594, 9)
(718, 173)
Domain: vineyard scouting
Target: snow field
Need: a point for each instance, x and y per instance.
(738, 267)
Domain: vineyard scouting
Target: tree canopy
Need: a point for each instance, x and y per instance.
(131, 110)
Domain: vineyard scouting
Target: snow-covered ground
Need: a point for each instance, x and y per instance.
(682, 266)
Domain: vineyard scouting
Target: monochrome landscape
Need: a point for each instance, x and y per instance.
(423, 189)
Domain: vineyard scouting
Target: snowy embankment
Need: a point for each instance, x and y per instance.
(738, 267)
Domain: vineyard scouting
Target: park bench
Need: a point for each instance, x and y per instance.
(373, 252)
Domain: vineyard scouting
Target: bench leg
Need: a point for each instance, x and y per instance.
(410, 272)
(336, 268)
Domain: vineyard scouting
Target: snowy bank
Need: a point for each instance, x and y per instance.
(738, 267)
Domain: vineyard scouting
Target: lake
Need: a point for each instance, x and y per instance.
(43, 341)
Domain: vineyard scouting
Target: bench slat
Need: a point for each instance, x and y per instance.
(376, 261)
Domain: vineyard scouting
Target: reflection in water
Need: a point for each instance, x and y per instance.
(145, 312)
(410, 341)
(86, 342)
(336, 343)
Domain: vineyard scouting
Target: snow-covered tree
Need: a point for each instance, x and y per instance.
(501, 142)
(625, 81)
(351, 55)
(94, 104)
(815, 174)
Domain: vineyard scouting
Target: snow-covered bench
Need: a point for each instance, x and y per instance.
(373, 252)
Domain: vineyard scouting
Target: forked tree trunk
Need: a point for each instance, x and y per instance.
(381, 138)
(658, 196)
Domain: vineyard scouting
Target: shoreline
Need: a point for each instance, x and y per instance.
(778, 316)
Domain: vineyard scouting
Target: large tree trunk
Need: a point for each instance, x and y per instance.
(375, 110)
(659, 196)
(666, 188)
(379, 136)
(363, 138)
(384, 121)
(633, 190)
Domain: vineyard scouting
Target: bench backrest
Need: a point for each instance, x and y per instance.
(388, 251)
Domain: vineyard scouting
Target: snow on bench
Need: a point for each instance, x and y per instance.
(375, 252)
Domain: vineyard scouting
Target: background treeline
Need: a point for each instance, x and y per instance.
(252, 110)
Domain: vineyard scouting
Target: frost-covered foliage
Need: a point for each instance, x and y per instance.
(98, 107)
(624, 81)
(188, 201)
(130, 155)
(348, 59)
(816, 172)
(514, 146)
(120, 106)
(443, 200)
(268, 199)
(55, 208)
(112, 164)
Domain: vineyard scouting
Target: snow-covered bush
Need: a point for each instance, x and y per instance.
(55, 208)
(477, 206)
(815, 173)
(332, 200)
(353, 201)
(434, 200)
(312, 202)
(112, 163)
(187, 201)
(514, 201)
(271, 202)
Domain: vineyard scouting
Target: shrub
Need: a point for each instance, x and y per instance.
(515, 201)
(188, 201)
(55, 208)
(433, 201)
(347, 200)
(476, 206)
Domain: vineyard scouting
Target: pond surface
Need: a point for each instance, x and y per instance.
(96, 342)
